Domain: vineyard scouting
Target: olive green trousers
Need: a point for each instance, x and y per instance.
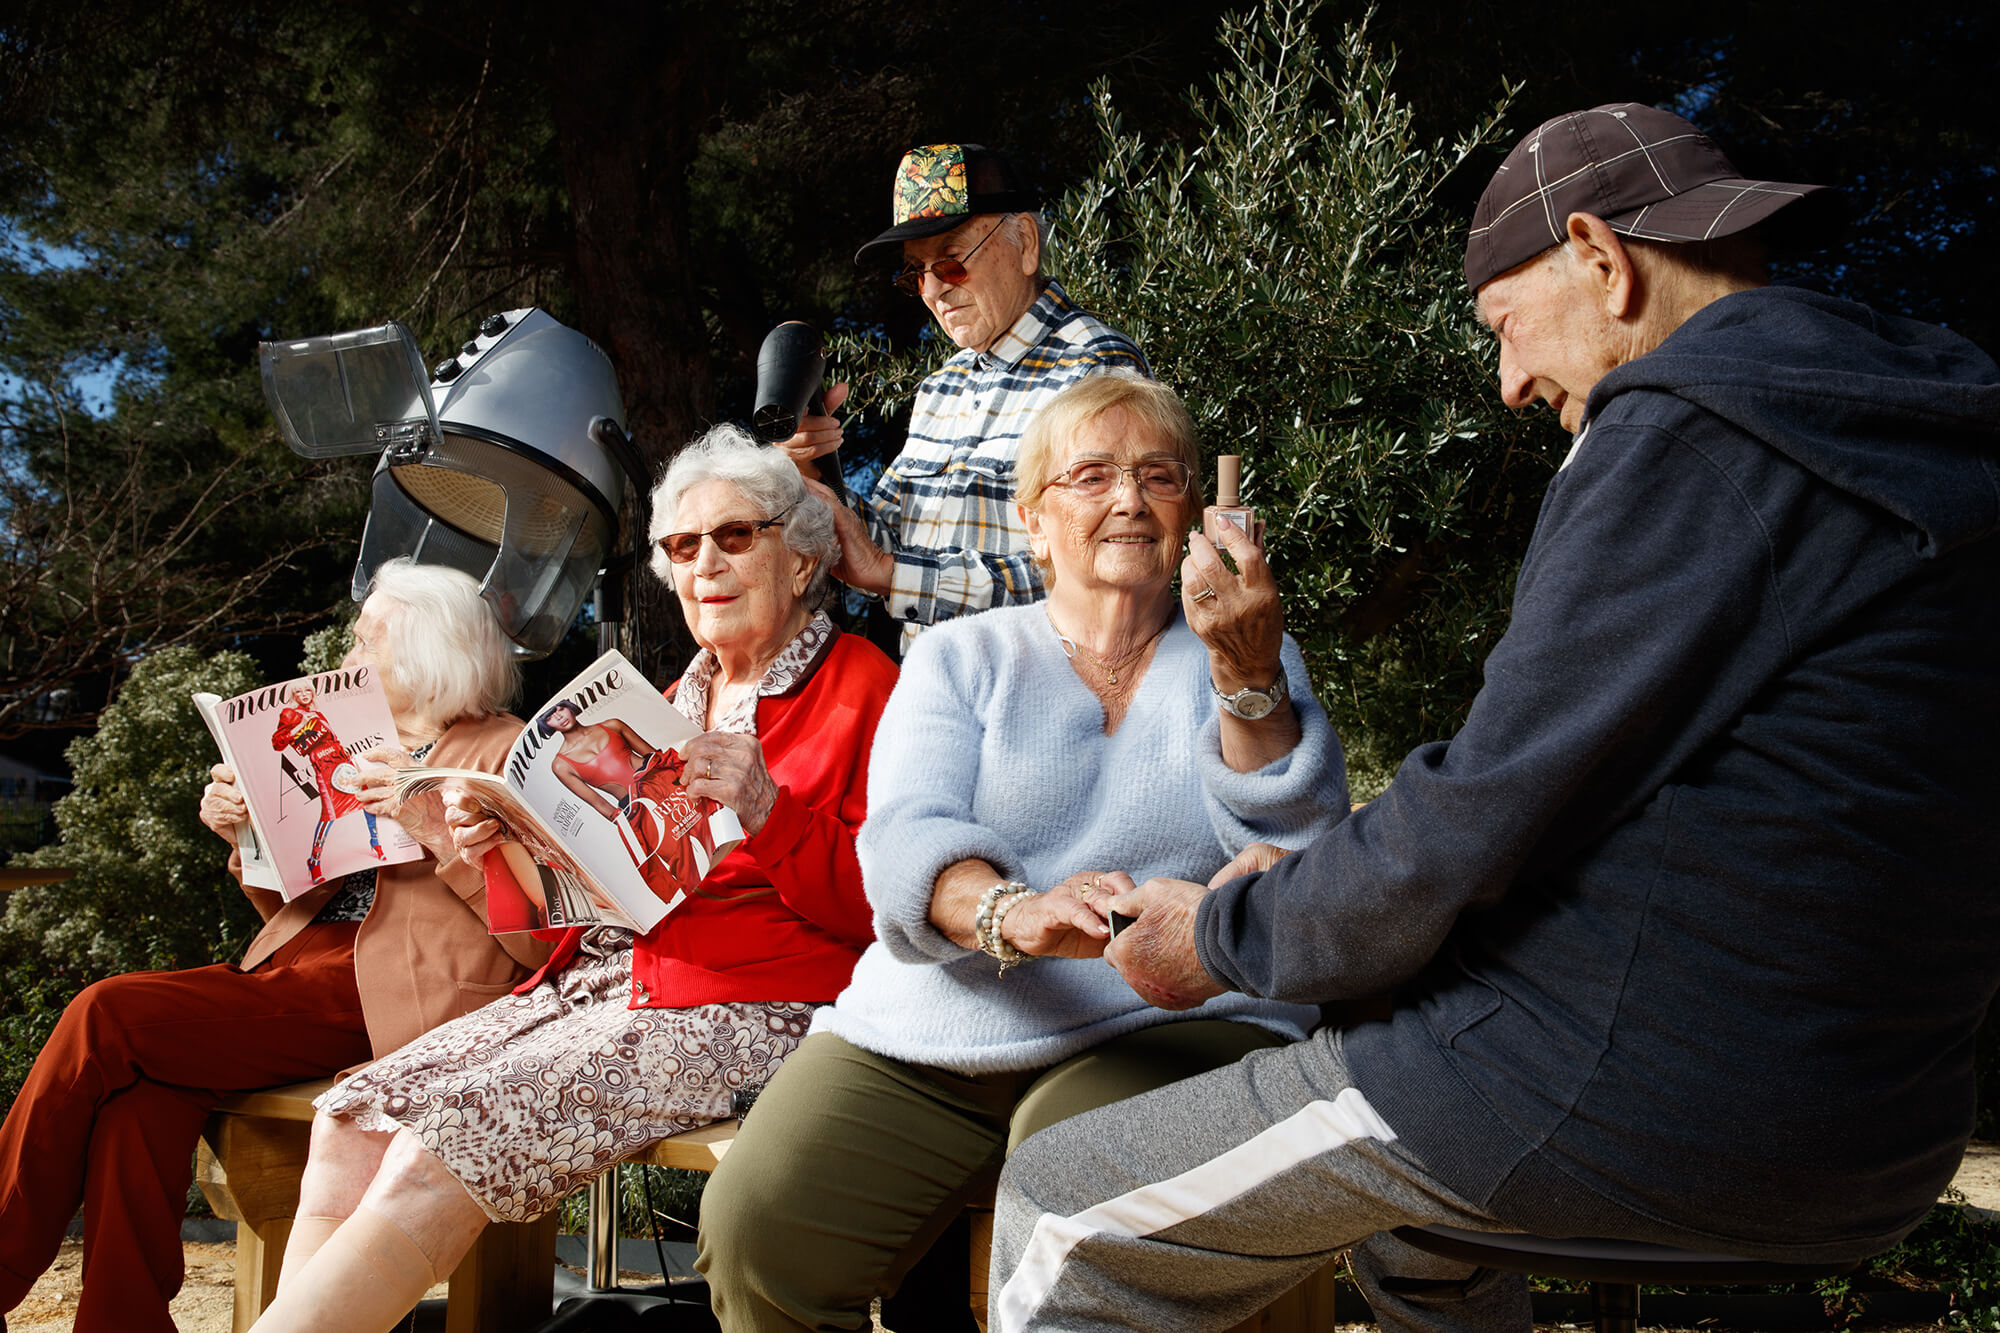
(852, 1164)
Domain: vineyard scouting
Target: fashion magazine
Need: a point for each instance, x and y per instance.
(600, 828)
(295, 749)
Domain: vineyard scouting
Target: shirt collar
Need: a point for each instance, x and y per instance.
(794, 665)
(1049, 310)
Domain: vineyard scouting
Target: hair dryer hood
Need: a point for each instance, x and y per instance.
(494, 467)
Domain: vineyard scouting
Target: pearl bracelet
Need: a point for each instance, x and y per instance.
(1005, 952)
(982, 921)
(993, 906)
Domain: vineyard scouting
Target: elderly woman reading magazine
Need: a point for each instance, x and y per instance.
(111, 1112)
(1031, 758)
(634, 1039)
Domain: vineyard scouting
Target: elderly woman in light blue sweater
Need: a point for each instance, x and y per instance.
(1032, 761)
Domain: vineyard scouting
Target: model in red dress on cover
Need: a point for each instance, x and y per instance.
(636, 786)
(305, 731)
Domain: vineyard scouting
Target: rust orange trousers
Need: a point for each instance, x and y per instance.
(111, 1112)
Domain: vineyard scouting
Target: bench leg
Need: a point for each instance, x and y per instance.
(506, 1282)
(260, 1250)
(981, 1222)
(249, 1170)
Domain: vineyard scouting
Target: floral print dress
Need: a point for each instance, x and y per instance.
(532, 1096)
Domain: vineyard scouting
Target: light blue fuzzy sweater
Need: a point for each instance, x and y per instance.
(991, 747)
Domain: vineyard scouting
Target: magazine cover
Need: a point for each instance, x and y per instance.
(591, 793)
(294, 748)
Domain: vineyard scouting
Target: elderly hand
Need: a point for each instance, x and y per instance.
(222, 807)
(1252, 860)
(1243, 623)
(1155, 954)
(422, 817)
(863, 565)
(817, 435)
(473, 832)
(1068, 920)
(729, 769)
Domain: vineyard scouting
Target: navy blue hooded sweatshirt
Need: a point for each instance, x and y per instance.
(1690, 927)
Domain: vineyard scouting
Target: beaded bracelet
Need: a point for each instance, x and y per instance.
(999, 948)
(993, 905)
(982, 921)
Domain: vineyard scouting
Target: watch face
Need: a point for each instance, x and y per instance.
(1251, 705)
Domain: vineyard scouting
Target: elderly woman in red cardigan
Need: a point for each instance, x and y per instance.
(620, 1042)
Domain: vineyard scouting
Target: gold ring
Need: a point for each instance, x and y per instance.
(711, 769)
(1204, 594)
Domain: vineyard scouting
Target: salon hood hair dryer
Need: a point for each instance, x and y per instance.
(790, 365)
(509, 461)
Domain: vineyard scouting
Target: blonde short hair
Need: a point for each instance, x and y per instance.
(1157, 408)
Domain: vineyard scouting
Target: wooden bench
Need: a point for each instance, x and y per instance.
(253, 1152)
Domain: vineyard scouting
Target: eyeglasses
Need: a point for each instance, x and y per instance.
(1160, 478)
(949, 271)
(730, 538)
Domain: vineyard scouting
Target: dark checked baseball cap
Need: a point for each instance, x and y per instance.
(940, 186)
(1646, 172)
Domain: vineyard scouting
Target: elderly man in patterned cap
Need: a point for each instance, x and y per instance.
(1685, 936)
(939, 537)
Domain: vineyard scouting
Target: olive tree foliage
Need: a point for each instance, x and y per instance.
(1287, 270)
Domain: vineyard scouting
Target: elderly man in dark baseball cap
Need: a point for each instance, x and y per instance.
(1684, 937)
(939, 536)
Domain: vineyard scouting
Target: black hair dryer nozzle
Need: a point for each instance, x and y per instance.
(790, 365)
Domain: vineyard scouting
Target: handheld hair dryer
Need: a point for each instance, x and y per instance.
(789, 367)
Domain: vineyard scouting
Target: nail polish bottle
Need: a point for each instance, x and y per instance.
(1228, 506)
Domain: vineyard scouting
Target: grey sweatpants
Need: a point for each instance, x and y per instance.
(1194, 1206)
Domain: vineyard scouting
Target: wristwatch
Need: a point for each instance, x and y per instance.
(1251, 704)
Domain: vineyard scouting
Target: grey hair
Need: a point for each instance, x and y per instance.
(446, 648)
(769, 479)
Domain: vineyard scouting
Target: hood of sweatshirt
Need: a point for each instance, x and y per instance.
(1902, 414)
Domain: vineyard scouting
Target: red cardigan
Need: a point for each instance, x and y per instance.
(801, 942)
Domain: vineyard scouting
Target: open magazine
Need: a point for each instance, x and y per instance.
(600, 829)
(293, 746)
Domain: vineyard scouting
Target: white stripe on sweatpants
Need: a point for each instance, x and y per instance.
(1317, 1127)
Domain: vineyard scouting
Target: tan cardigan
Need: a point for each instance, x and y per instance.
(424, 954)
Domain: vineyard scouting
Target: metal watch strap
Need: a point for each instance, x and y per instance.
(1250, 703)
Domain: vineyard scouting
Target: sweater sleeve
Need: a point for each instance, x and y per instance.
(924, 775)
(1290, 801)
(1649, 581)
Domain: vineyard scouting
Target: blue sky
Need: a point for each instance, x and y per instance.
(92, 385)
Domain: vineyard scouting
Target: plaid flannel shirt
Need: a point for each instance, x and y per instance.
(944, 508)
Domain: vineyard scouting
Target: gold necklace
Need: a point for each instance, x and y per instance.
(1110, 669)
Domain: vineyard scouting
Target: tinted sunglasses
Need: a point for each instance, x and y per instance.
(950, 272)
(730, 538)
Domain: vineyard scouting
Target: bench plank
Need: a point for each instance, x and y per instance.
(294, 1101)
